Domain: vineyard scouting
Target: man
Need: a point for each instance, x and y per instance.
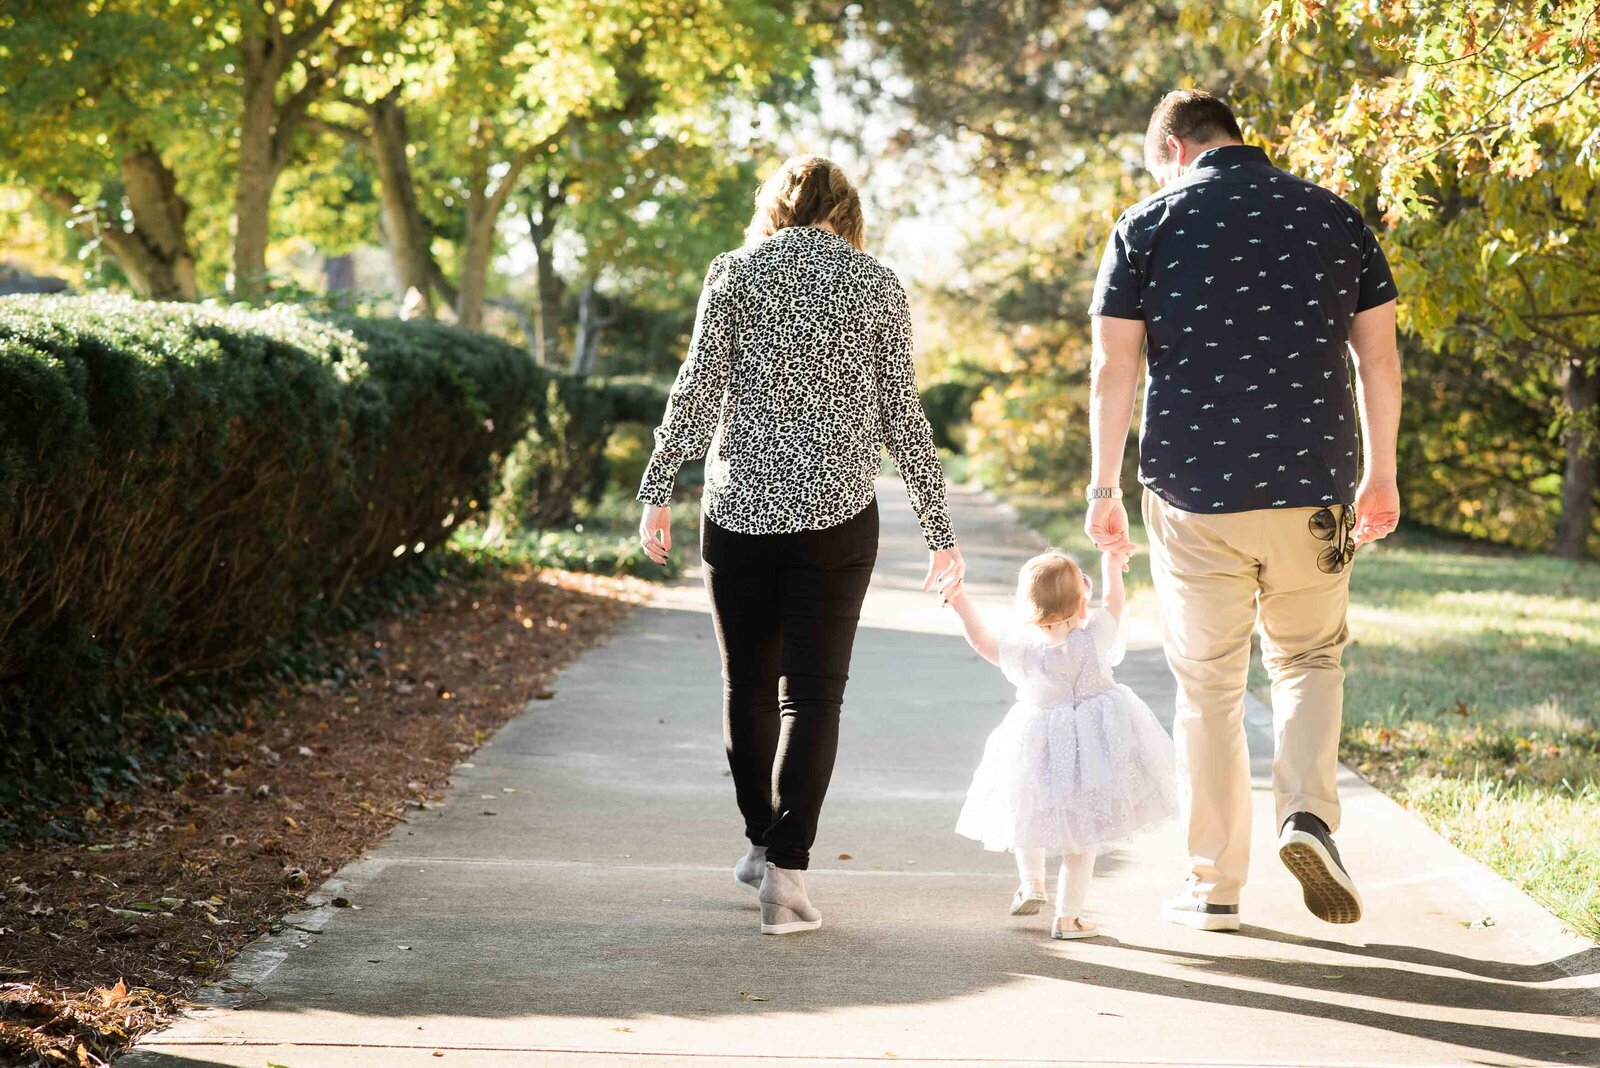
(1246, 285)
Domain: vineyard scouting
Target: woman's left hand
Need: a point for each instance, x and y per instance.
(655, 532)
(944, 566)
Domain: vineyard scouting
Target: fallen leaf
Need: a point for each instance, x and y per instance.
(406, 948)
(1333, 977)
(846, 856)
(110, 997)
(1118, 1015)
(623, 1029)
(745, 995)
(340, 902)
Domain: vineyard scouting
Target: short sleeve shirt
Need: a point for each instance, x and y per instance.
(1247, 279)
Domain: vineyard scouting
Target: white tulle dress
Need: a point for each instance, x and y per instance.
(1079, 761)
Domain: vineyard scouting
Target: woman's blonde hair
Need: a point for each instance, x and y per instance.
(1050, 589)
(808, 191)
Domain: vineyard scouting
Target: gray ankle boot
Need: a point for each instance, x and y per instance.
(785, 908)
(751, 867)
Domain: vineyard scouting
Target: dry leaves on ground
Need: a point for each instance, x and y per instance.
(100, 942)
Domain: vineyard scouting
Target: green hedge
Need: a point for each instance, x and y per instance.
(184, 487)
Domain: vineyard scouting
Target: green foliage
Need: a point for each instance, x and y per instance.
(948, 405)
(184, 488)
(562, 463)
(1468, 132)
(561, 460)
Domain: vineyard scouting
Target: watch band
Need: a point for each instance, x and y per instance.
(1095, 493)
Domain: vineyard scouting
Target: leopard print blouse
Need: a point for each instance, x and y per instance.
(798, 371)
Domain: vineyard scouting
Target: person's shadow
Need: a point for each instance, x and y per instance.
(1497, 986)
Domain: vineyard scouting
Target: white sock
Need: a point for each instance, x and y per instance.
(1072, 885)
(1030, 868)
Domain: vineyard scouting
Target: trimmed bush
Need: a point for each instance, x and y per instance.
(184, 487)
(563, 458)
(948, 405)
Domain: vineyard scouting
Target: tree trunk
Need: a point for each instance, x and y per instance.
(267, 127)
(154, 252)
(475, 257)
(404, 230)
(591, 324)
(256, 174)
(551, 300)
(1581, 477)
(339, 278)
(159, 217)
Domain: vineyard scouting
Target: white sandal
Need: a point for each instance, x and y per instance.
(1078, 928)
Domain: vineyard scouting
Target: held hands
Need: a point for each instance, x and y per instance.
(655, 532)
(1107, 526)
(1377, 510)
(945, 568)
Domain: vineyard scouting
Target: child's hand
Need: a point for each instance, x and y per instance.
(950, 592)
(1119, 561)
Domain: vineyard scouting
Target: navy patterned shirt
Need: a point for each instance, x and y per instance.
(1247, 279)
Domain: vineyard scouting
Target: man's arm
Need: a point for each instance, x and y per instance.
(1377, 356)
(1118, 345)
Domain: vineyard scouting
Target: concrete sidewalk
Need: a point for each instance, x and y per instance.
(573, 901)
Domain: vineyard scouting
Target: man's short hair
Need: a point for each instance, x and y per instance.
(1189, 115)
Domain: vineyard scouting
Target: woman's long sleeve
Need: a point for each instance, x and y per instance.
(696, 399)
(904, 424)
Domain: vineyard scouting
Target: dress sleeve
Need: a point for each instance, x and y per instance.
(1011, 652)
(1107, 634)
(904, 425)
(695, 403)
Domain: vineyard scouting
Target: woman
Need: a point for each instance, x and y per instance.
(798, 371)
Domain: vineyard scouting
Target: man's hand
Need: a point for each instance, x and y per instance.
(1107, 526)
(944, 567)
(1377, 510)
(655, 532)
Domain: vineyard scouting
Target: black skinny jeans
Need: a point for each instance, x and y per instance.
(786, 608)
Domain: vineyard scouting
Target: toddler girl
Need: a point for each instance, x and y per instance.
(1079, 760)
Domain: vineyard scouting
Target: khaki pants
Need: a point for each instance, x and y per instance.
(1216, 577)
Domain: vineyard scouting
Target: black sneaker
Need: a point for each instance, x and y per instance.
(1308, 852)
(1189, 911)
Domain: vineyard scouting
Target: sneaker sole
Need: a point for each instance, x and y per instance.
(1029, 907)
(1328, 891)
(1203, 921)
(797, 927)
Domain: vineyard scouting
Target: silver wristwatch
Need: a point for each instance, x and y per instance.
(1095, 493)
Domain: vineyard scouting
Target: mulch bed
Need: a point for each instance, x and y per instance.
(101, 942)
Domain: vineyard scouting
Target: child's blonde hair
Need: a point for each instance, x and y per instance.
(1050, 589)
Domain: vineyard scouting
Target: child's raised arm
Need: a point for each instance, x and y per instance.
(1111, 592)
(978, 635)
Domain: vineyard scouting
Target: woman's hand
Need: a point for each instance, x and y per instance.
(655, 532)
(944, 566)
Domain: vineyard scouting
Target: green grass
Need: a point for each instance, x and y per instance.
(1472, 697)
(603, 540)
